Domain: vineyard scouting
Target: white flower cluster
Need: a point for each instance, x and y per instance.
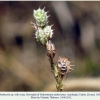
(44, 31)
(40, 16)
(43, 35)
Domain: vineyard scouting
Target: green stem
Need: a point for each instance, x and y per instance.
(59, 83)
(56, 73)
(58, 78)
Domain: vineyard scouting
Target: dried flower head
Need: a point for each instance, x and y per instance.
(40, 16)
(50, 49)
(64, 65)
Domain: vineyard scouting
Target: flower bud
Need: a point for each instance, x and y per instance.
(41, 17)
(48, 32)
(64, 65)
(43, 35)
(50, 49)
(40, 36)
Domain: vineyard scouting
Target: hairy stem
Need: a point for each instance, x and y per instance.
(57, 76)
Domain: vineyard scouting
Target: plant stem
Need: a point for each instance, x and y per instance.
(59, 81)
(57, 76)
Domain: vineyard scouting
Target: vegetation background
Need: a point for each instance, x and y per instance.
(23, 62)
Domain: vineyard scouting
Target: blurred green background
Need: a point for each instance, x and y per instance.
(24, 65)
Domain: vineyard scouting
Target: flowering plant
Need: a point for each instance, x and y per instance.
(43, 34)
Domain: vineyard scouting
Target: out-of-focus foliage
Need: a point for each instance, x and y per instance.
(23, 62)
